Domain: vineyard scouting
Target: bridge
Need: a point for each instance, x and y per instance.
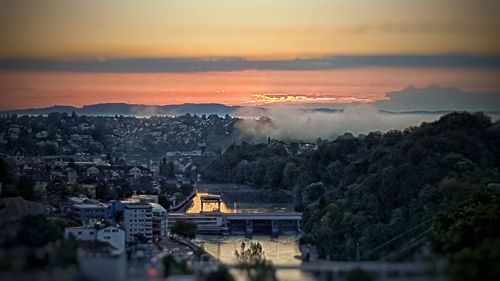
(248, 224)
(211, 220)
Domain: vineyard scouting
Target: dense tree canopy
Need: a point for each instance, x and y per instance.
(358, 193)
(184, 228)
(469, 235)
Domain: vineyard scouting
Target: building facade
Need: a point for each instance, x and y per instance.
(138, 221)
(98, 231)
(98, 211)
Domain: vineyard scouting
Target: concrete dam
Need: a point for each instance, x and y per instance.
(212, 217)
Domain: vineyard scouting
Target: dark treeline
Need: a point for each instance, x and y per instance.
(371, 196)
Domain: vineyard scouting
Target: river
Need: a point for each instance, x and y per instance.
(281, 251)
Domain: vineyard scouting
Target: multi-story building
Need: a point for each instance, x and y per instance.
(99, 231)
(159, 221)
(99, 211)
(138, 221)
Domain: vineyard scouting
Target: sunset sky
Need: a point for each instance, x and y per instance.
(38, 35)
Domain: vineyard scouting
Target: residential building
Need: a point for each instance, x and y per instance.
(99, 231)
(86, 211)
(92, 172)
(137, 221)
(135, 172)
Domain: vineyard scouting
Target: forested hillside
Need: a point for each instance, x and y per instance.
(372, 196)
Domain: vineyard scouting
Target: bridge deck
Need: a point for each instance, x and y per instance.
(242, 216)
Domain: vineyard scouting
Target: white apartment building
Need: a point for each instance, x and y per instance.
(98, 231)
(137, 221)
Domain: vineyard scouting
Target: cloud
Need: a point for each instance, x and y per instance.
(436, 98)
(236, 64)
(288, 98)
(289, 123)
(402, 109)
(415, 27)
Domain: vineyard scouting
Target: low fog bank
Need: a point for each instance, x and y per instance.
(295, 124)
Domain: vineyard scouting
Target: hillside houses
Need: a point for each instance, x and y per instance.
(59, 139)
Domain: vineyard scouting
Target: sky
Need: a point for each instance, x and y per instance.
(246, 28)
(241, 52)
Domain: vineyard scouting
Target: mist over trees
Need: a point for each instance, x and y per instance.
(367, 196)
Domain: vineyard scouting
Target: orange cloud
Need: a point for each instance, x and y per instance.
(288, 98)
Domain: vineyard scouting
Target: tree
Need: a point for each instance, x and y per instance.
(313, 192)
(374, 187)
(66, 251)
(170, 170)
(5, 172)
(37, 231)
(186, 189)
(173, 267)
(199, 252)
(289, 174)
(274, 172)
(469, 235)
(163, 201)
(58, 189)
(165, 168)
(184, 228)
(105, 192)
(76, 190)
(253, 262)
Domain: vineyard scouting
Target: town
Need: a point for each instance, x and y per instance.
(119, 186)
(223, 140)
(124, 198)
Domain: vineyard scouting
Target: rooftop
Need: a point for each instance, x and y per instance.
(91, 206)
(211, 197)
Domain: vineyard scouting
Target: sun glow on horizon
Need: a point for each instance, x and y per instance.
(250, 87)
(286, 98)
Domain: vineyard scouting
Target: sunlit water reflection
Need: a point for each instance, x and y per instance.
(281, 251)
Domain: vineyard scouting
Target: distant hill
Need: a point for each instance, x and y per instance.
(132, 109)
(198, 108)
(150, 110)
